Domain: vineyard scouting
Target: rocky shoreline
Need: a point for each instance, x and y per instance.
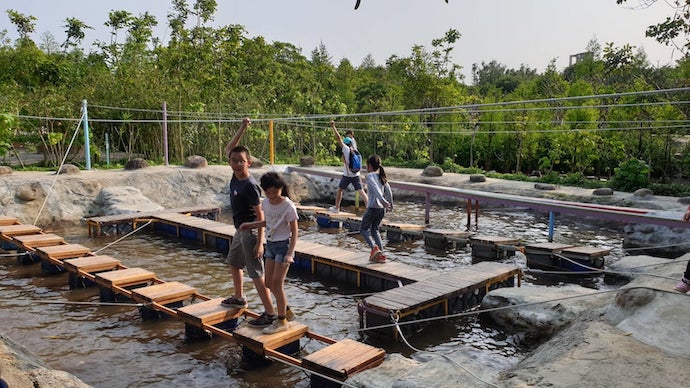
(637, 336)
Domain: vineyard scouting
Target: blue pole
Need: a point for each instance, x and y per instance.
(87, 150)
(551, 222)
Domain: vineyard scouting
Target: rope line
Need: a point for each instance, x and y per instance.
(57, 174)
(125, 236)
(66, 302)
(343, 383)
(397, 327)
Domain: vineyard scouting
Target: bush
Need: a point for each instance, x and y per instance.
(630, 175)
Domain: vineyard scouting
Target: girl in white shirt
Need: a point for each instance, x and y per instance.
(280, 221)
(380, 199)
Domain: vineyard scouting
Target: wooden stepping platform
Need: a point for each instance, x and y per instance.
(343, 359)
(124, 278)
(445, 238)
(18, 230)
(493, 247)
(39, 240)
(585, 252)
(209, 312)
(258, 342)
(91, 264)
(401, 231)
(64, 251)
(163, 293)
(7, 220)
(439, 295)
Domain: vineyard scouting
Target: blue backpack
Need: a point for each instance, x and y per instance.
(355, 163)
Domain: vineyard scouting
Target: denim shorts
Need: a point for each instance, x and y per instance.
(276, 250)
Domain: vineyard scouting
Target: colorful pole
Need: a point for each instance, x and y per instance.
(165, 133)
(87, 148)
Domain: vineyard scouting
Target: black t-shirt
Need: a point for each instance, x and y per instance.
(244, 195)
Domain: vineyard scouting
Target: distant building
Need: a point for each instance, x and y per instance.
(575, 58)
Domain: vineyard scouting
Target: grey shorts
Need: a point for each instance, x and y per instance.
(345, 181)
(241, 253)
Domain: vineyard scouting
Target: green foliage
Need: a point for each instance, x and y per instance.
(671, 189)
(6, 123)
(509, 120)
(631, 175)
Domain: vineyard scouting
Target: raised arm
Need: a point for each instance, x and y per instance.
(337, 134)
(235, 141)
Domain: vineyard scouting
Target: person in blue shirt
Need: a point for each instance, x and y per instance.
(349, 177)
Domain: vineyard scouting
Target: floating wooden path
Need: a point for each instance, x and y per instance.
(406, 291)
(200, 314)
(119, 223)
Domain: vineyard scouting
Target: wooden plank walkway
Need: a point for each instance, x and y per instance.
(96, 224)
(406, 291)
(395, 231)
(183, 302)
(439, 295)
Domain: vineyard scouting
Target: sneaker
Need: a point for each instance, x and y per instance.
(234, 302)
(333, 209)
(263, 320)
(682, 287)
(380, 258)
(375, 254)
(276, 326)
(289, 315)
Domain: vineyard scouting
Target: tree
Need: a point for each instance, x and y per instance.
(676, 26)
(75, 32)
(24, 24)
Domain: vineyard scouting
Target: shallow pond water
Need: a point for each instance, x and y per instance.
(112, 346)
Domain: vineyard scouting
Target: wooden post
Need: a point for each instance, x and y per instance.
(427, 209)
(469, 214)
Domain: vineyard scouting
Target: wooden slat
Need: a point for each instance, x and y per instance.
(495, 240)
(91, 264)
(40, 240)
(163, 293)
(344, 358)
(209, 312)
(255, 339)
(59, 252)
(7, 220)
(586, 251)
(124, 277)
(19, 230)
(547, 247)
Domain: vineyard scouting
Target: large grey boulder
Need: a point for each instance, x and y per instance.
(195, 161)
(123, 200)
(432, 171)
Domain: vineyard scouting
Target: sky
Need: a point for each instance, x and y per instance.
(530, 32)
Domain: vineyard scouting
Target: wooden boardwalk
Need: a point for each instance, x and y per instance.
(185, 303)
(121, 222)
(405, 291)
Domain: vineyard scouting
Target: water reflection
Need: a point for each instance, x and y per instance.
(113, 346)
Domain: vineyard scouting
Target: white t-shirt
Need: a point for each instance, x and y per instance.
(278, 218)
(346, 156)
